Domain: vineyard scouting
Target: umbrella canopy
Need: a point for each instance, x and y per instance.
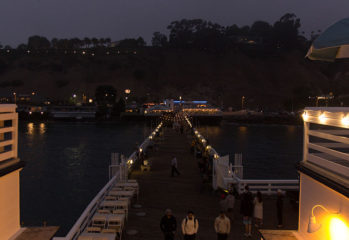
(332, 44)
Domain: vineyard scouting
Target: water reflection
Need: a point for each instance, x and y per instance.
(30, 128)
(42, 128)
(243, 129)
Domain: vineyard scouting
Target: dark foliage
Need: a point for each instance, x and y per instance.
(105, 95)
(13, 83)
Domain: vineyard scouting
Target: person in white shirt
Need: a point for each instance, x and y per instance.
(230, 202)
(190, 226)
(174, 166)
(258, 209)
(222, 226)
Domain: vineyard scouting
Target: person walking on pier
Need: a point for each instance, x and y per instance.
(168, 225)
(258, 209)
(230, 201)
(174, 166)
(247, 210)
(279, 206)
(190, 226)
(222, 226)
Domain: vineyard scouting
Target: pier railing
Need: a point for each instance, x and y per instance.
(225, 175)
(90, 210)
(86, 216)
(265, 186)
(327, 146)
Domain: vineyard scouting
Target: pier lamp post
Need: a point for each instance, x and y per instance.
(127, 92)
(15, 97)
(242, 102)
(336, 223)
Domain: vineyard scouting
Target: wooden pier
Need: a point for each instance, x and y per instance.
(159, 191)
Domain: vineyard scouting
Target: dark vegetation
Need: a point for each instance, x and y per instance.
(197, 60)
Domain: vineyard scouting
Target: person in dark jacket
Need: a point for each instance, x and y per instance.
(246, 210)
(279, 206)
(168, 225)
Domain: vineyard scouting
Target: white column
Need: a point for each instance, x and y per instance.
(305, 141)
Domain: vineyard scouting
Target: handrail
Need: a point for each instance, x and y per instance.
(269, 184)
(89, 210)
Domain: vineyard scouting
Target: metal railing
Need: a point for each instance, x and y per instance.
(265, 186)
(229, 177)
(86, 216)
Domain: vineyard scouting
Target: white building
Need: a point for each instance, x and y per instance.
(324, 178)
(10, 167)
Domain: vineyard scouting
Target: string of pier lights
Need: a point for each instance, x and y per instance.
(208, 148)
(86, 52)
(341, 119)
(144, 145)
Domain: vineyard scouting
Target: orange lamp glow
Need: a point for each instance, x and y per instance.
(338, 229)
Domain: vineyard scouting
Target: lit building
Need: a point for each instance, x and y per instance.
(324, 178)
(10, 167)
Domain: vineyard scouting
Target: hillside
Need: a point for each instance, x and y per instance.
(276, 81)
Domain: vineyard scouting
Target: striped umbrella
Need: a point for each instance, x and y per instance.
(332, 44)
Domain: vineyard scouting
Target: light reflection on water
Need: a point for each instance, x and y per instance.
(35, 128)
(67, 164)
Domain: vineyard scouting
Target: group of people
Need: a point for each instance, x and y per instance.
(253, 208)
(190, 226)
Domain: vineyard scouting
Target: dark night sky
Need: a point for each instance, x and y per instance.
(120, 19)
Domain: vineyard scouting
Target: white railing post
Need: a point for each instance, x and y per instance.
(305, 140)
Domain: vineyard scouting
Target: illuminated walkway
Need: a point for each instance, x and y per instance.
(158, 191)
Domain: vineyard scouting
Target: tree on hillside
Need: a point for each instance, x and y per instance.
(196, 33)
(232, 30)
(38, 42)
(75, 43)
(285, 31)
(210, 36)
(132, 43)
(181, 32)
(22, 47)
(54, 43)
(108, 41)
(102, 41)
(87, 42)
(159, 40)
(105, 95)
(261, 29)
(95, 42)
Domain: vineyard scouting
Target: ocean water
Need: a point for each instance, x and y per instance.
(67, 162)
(66, 166)
(268, 151)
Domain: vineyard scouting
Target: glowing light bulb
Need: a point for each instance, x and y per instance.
(345, 120)
(305, 116)
(322, 118)
(338, 229)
